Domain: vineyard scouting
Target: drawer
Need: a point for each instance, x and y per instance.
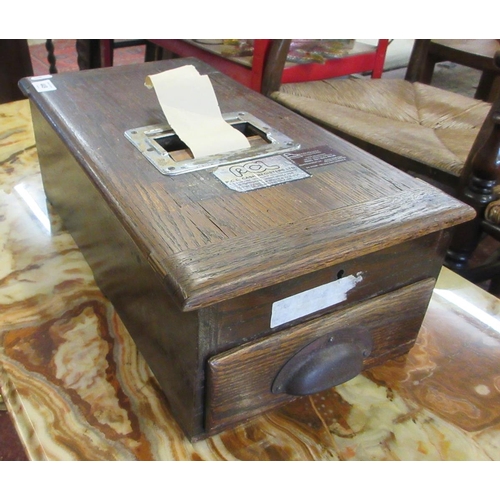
(250, 317)
(244, 381)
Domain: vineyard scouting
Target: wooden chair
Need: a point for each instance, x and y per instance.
(249, 70)
(432, 133)
(477, 54)
(97, 53)
(489, 270)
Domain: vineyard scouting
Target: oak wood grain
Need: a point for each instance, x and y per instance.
(193, 267)
(247, 317)
(309, 244)
(178, 221)
(240, 380)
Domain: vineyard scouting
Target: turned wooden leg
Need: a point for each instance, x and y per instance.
(466, 237)
(480, 175)
(51, 58)
(478, 192)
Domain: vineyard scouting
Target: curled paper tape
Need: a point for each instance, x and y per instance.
(190, 106)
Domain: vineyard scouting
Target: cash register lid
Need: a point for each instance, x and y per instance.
(207, 242)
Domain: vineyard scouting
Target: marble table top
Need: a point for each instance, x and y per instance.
(78, 389)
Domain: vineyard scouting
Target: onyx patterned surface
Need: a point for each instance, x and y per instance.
(78, 389)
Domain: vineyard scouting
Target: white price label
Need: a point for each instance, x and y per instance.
(43, 85)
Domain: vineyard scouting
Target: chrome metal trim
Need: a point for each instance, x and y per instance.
(145, 140)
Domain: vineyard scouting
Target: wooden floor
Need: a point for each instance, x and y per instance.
(448, 76)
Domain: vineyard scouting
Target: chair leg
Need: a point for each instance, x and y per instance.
(487, 89)
(88, 54)
(106, 51)
(482, 175)
(51, 58)
(151, 52)
(465, 240)
(421, 65)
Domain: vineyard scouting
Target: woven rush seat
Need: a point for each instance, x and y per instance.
(425, 124)
(440, 136)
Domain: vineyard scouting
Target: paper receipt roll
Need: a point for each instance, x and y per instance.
(190, 106)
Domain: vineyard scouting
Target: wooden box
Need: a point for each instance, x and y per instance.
(239, 300)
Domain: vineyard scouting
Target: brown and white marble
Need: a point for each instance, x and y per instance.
(79, 390)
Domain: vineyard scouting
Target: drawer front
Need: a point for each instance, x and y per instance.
(249, 317)
(240, 381)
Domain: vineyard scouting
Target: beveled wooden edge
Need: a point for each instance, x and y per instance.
(200, 277)
(83, 156)
(206, 276)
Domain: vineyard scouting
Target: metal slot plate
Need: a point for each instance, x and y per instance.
(146, 140)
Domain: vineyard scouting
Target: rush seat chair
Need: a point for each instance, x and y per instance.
(447, 139)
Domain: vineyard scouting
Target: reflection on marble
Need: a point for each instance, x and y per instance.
(78, 389)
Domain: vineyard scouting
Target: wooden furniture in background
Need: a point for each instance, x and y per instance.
(249, 69)
(15, 63)
(418, 128)
(108, 47)
(99, 53)
(478, 54)
(246, 70)
(488, 160)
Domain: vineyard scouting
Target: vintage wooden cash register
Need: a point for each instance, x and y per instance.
(246, 279)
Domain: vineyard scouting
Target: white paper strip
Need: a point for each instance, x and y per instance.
(312, 300)
(190, 106)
